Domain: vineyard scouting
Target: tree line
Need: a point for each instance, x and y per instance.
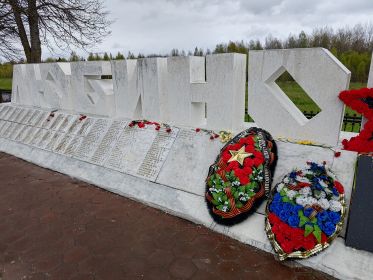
(353, 46)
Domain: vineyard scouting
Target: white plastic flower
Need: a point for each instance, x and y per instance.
(331, 173)
(306, 191)
(291, 194)
(302, 179)
(323, 184)
(335, 206)
(286, 180)
(324, 203)
(311, 201)
(280, 187)
(301, 200)
(320, 195)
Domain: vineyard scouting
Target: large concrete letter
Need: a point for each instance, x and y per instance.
(44, 85)
(222, 91)
(139, 88)
(90, 92)
(322, 77)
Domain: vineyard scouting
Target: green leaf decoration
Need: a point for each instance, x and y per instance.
(303, 220)
(308, 230)
(236, 195)
(283, 193)
(317, 233)
(214, 202)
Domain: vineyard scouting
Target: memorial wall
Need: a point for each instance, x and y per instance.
(148, 129)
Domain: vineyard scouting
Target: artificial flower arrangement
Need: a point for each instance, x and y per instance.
(241, 175)
(305, 212)
(360, 100)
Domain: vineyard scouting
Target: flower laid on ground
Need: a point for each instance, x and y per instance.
(240, 175)
(51, 115)
(360, 100)
(144, 123)
(305, 212)
(224, 136)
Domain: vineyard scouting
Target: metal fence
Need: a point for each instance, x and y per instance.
(351, 122)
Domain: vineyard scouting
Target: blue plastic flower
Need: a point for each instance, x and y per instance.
(293, 175)
(288, 206)
(322, 216)
(328, 228)
(334, 217)
(277, 197)
(307, 211)
(284, 215)
(293, 221)
(275, 207)
(335, 192)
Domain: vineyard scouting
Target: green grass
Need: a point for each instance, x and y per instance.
(5, 84)
(295, 92)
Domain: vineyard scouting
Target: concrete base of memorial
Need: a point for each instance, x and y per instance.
(166, 171)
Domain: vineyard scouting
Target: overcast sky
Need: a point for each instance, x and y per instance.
(157, 26)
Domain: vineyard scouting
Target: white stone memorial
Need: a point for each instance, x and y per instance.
(90, 138)
(322, 77)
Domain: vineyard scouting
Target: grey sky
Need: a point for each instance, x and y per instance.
(157, 26)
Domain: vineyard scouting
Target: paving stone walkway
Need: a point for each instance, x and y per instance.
(55, 227)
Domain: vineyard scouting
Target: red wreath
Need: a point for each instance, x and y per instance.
(360, 100)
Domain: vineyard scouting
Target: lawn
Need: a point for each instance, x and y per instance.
(5, 84)
(304, 103)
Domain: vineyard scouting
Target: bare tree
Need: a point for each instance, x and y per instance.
(55, 24)
(7, 31)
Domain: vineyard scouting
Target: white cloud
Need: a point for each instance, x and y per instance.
(157, 26)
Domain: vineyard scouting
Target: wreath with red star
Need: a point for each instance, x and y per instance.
(241, 175)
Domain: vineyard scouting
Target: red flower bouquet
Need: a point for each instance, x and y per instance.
(240, 175)
(360, 100)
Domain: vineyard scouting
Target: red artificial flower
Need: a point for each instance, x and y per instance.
(337, 154)
(238, 172)
(258, 160)
(249, 149)
(244, 180)
(198, 129)
(249, 140)
(168, 130)
(287, 247)
(249, 162)
(233, 165)
(141, 125)
(211, 137)
(157, 128)
(226, 156)
(216, 135)
(360, 100)
(247, 170)
(339, 187)
(130, 125)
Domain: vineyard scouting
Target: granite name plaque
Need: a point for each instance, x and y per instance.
(360, 226)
